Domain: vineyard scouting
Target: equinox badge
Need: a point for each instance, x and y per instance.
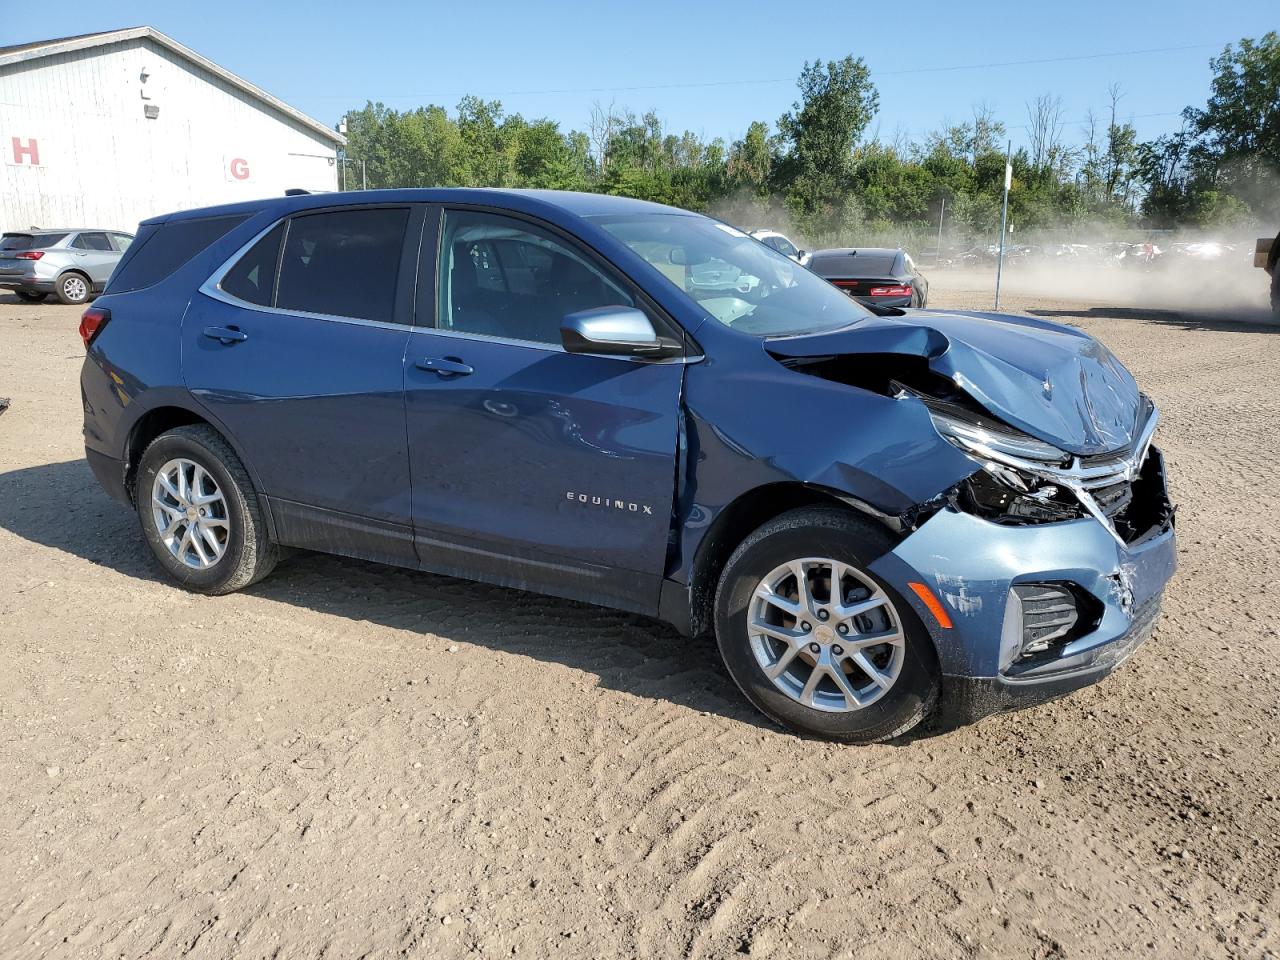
(595, 501)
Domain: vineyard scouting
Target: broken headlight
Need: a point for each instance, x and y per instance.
(1007, 495)
(982, 440)
(1001, 491)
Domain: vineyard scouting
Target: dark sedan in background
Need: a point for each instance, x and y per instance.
(876, 277)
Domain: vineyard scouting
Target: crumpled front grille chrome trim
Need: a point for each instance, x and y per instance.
(1080, 475)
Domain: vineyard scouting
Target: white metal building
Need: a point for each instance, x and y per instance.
(107, 129)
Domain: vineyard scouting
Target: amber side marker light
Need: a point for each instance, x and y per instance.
(929, 600)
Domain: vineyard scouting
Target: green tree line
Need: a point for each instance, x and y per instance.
(817, 168)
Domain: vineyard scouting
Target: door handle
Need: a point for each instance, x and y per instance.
(445, 366)
(226, 334)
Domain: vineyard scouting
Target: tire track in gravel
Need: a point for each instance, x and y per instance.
(570, 781)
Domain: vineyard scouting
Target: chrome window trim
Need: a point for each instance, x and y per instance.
(548, 347)
(494, 338)
(212, 288)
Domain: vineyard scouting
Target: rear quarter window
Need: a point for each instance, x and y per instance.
(253, 278)
(160, 249)
(29, 241)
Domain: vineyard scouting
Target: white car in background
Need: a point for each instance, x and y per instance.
(782, 244)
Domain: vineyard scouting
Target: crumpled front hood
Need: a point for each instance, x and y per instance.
(1054, 382)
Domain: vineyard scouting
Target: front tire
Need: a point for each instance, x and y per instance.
(853, 664)
(200, 514)
(73, 288)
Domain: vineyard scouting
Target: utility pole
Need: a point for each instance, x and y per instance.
(1004, 216)
(937, 259)
(342, 154)
(364, 180)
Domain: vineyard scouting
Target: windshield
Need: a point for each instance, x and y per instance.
(738, 280)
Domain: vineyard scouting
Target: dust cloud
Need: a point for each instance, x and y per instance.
(1232, 289)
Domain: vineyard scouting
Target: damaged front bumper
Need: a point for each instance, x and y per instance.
(994, 656)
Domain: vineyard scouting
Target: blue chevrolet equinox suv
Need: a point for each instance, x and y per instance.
(881, 514)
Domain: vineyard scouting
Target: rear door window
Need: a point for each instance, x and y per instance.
(92, 241)
(343, 263)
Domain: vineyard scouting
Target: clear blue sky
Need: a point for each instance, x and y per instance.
(555, 59)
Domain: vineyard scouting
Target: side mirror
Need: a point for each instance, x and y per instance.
(678, 256)
(614, 331)
(802, 253)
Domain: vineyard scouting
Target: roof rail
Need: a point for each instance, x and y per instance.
(297, 192)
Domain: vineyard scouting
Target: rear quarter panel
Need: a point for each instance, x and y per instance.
(134, 364)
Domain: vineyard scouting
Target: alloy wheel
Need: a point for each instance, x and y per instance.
(826, 634)
(75, 288)
(190, 513)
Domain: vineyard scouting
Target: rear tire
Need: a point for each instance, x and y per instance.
(73, 288)
(1275, 290)
(30, 296)
(234, 550)
(909, 664)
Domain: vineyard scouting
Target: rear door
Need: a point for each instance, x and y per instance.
(93, 253)
(298, 349)
(534, 467)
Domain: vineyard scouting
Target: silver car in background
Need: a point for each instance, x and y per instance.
(782, 244)
(73, 265)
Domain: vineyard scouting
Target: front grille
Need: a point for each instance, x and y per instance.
(1132, 496)
(1146, 510)
(1113, 499)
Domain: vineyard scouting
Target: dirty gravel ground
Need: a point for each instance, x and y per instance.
(351, 760)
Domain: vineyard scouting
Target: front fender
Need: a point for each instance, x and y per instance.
(750, 428)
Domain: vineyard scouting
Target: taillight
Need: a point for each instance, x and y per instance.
(889, 292)
(29, 255)
(91, 323)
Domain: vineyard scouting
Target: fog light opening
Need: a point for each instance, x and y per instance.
(1042, 618)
